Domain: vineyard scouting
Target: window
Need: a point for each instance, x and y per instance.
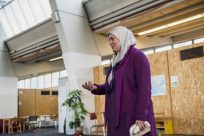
(55, 78)
(5, 24)
(54, 92)
(165, 48)
(21, 84)
(27, 11)
(199, 40)
(191, 53)
(33, 83)
(47, 80)
(40, 82)
(105, 62)
(178, 45)
(147, 52)
(37, 10)
(63, 73)
(12, 20)
(46, 7)
(27, 83)
(19, 15)
(45, 92)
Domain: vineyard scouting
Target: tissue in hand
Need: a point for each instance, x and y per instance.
(135, 130)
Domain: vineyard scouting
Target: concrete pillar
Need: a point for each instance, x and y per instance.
(8, 82)
(78, 45)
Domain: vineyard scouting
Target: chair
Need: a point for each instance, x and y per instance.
(6, 125)
(17, 124)
(99, 125)
(1, 125)
(32, 121)
(54, 119)
(42, 121)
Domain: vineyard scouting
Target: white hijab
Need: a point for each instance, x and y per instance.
(127, 39)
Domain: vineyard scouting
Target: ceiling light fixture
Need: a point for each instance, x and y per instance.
(171, 24)
(57, 58)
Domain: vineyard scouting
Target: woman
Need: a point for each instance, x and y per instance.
(127, 87)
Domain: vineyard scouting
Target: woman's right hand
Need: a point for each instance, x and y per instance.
(89, 86)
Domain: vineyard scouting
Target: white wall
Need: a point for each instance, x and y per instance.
(80, 69)
(8, 97)
(80, 53)
(62, 95)
(8, 82)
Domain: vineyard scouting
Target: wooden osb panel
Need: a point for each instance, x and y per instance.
(53, 105)
(26, 102)
(188, 96)
(99, 78)
(42, 103)
(162, 103)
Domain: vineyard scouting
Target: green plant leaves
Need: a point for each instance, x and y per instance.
(74, 102)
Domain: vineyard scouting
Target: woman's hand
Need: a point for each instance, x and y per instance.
(141, 124)
(89, 86)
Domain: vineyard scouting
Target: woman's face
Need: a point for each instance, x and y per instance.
(114, 43)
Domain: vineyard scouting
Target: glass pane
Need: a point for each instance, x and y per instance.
(12, 20)
(163, 48)
(146, 52)
(46, 7)
(37, 11)
(33, 83)
(47, 80)
(3, 3)
(55, 78)
(105, 62)
(40, 82)
(19, 15)
(27, 83)
(182, 44)
(21, 84)
(27, 12)
(199, 40)
(5, 24)
(63, 73)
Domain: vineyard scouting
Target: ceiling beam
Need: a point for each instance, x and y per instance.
(177, 28)
(181, 12)
(177, 18)
(179, 32)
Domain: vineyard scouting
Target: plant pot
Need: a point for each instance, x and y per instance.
(79, 131)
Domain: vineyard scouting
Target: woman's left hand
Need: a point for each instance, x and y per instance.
(141, 124)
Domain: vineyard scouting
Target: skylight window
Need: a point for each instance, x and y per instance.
(19, 15)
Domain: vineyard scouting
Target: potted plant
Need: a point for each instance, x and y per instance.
(74, 102)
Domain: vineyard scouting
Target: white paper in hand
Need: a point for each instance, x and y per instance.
(135, 130)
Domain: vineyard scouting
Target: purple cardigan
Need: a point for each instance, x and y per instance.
(132, 83)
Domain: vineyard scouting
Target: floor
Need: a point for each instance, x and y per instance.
(51, 132)
(37, 132)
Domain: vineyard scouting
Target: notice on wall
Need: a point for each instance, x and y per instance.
(158, 85)
(174, 81)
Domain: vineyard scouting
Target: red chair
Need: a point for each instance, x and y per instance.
(17, 125)
(4, 125)
(100, 128)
